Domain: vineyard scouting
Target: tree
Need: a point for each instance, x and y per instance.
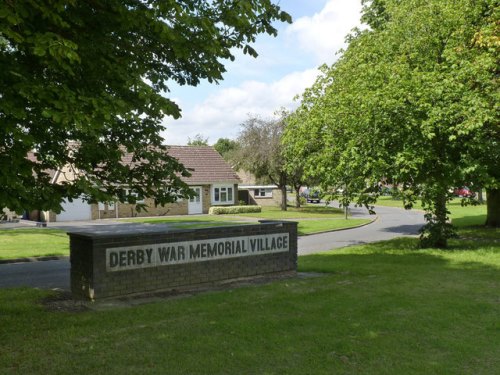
(411, 100)
(81, 83)
(260, 152)
(226, 147)
(298, 146)
(198, 140)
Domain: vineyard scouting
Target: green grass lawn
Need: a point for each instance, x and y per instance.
(384, 308)
(461, 215)
(22, 243)
(311, 226)
(306, 212)
(304, 227)
(311, 219)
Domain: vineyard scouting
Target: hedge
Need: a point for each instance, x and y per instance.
(221, 210)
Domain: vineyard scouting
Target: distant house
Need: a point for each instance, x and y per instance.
(251, 192)
(213, 180)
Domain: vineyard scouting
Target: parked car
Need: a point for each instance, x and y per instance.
(312, 196)
(463, 192)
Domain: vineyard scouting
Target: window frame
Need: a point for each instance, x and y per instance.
(268, 192)
(223, 190)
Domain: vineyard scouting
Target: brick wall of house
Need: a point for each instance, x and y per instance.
(123, 210)
(274, 201)
(249, 195)
(207, 198)
(129, 210)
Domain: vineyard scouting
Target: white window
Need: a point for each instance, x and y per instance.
(223, 194)
(263, 193)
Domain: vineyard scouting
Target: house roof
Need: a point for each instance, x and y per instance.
(205, 164)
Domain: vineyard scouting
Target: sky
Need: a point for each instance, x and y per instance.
(286, 66)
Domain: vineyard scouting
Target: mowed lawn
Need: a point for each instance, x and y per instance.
(32, 242)
(36, 242)
(385, 308)
(311, 219)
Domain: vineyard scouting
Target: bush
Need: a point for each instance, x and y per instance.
(221, 210)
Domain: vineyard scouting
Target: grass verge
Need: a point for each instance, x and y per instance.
(384, 308)
(305, 212)
(311, 219)
(25, 243)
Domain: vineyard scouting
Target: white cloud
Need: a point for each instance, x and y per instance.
(323, 33)
(220, 114)
(285, 67)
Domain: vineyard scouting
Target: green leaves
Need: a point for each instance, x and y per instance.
(411, 101)
(93, 73)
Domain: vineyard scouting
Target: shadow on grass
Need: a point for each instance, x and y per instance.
(404, 253)
(469, 221)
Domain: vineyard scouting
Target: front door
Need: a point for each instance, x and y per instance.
(195, 205)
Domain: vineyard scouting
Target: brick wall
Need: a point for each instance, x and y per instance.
(274, 201)
(91, 277)
(248, 196)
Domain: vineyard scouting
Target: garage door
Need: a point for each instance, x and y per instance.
(76, 210)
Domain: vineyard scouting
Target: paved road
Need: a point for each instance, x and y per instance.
(391, 223)
(46, 275)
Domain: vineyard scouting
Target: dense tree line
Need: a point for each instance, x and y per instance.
(413, 100)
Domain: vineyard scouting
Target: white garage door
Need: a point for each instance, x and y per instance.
(76, 210)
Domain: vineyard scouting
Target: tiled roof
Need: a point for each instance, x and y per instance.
(204, 162)
(207, 165)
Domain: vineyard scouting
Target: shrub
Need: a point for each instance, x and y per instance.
(221, 210)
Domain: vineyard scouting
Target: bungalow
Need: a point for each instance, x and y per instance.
(213, 180)
(251, 192)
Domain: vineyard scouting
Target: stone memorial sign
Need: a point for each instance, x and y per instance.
(113, 264)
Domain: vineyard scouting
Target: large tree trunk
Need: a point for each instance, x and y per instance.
(441, 238)
(493, 208)
(297, 197)
(283, 198)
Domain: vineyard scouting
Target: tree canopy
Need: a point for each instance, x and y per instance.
(226, 147)
(92, 74)
(260, 152)
(413, 100)
(198, 140)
